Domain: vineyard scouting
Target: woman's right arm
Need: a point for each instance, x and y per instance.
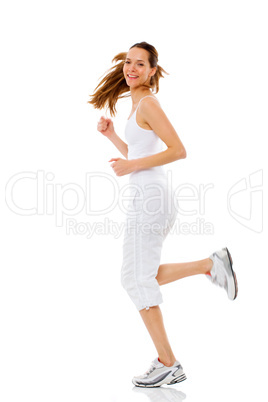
(106, 127)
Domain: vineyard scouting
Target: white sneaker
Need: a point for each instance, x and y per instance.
(222, 273)
(159, 374)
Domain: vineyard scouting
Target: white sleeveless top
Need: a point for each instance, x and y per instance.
(142, 143)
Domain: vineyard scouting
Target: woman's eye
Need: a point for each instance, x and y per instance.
(126, 62)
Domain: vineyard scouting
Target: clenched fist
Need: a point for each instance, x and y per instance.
(122, 166)
(105, 126)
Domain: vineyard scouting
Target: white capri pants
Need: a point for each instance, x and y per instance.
(152, 212)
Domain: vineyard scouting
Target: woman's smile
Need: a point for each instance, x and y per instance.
(132, 77)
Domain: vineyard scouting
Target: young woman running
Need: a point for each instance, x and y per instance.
(152, 207)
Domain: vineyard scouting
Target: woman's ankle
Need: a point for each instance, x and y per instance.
(168, 362)
(208, 264)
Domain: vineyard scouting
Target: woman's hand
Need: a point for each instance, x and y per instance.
(105, 127)
(122, 166)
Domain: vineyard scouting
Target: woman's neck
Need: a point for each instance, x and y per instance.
(137, 94)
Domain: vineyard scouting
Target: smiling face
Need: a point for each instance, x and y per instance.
(137, 69)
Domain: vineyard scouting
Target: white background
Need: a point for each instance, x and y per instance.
(69, 331)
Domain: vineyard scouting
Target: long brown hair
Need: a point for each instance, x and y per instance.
(113, 85)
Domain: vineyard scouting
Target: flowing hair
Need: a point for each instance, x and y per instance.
(113, 85)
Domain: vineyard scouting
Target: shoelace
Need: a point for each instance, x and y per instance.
(151, 369)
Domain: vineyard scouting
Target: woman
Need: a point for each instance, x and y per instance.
(151, 213)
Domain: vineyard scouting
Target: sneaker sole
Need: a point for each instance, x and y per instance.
(176, 380)
(233, 274)
(181, 378)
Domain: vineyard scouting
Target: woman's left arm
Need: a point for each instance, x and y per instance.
(152, 113)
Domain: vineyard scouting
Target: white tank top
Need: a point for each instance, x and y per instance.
(142, 143)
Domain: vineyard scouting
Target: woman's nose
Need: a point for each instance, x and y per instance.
(132, 67)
